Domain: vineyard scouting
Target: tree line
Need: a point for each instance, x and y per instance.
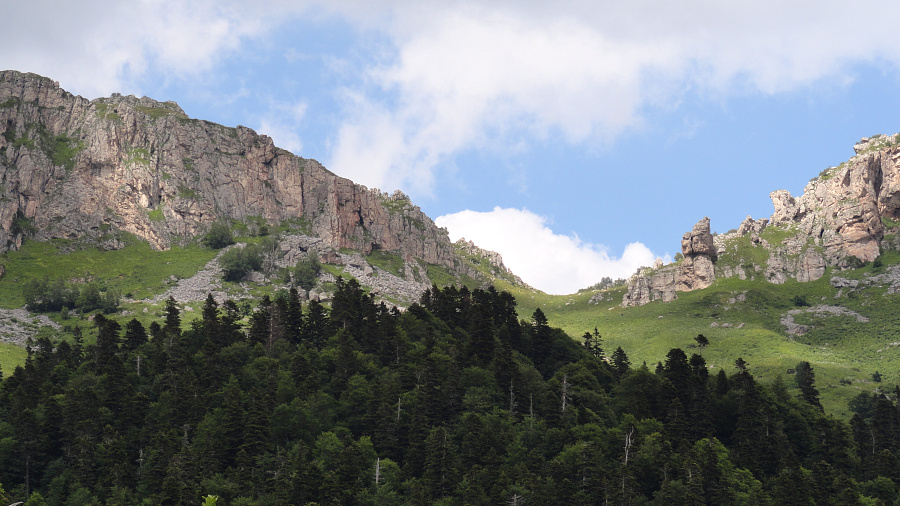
(454, 401)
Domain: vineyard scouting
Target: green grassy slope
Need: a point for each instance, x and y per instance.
(137, 270)
(844, 352)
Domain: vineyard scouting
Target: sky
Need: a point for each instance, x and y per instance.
(578, 139)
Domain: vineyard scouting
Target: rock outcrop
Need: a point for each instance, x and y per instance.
(73, 167)
(843, 209)
(694, 272)
(839, 221)
(649, 285)
(474, 255)
(697, 270)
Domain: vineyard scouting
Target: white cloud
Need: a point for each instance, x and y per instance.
(99, 47)
(554, 263)
(475, 74)
(450, 76)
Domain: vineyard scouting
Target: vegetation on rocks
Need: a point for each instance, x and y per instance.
(219, 236)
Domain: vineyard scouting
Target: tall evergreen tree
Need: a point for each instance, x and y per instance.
(806, 380)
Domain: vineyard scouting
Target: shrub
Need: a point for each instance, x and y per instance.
(799, 301)
(306, 272)
(854, 262)
(55, 295)
(238, 262)
(219, 236)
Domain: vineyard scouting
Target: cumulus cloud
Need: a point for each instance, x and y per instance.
(459, 75)
(466, 75)
(104, 46)
(551, 262)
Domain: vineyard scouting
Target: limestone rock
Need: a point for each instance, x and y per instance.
(76, 168)
(811, 266)
(785, 207)
(646, 288)
(843, 208)
(697, 270)
(699, 241)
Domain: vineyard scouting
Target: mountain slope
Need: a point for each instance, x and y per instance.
(72, 167)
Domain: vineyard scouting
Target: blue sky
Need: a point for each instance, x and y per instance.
(578, 139)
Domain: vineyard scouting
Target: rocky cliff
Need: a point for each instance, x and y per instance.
(696, 270)
(839, 221)
(73, 167)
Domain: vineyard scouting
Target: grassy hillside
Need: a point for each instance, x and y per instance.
(136, 271)
(845, 353)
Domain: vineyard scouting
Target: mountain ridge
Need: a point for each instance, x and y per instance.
(846, 216)
(78, 168)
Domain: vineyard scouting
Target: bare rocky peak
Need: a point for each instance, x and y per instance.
(844, 208)
(838, 220)
(74, 167)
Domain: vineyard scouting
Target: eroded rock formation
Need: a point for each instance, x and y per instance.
(695, 271)
(843, 209)
(839, 221)
(73, 167)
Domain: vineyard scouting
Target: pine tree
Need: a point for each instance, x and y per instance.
(261, 322)
(315, 325)
(806, 380)
(135, 335)
(620, 361)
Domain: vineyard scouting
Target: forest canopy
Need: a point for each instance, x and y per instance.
(454, 401)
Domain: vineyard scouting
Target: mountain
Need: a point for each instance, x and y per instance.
(114, 196)
(91, 170)
(845, 217)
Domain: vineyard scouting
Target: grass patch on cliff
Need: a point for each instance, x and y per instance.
(743, 252)
(890, 223)
(104, 113)
(388, 261)
(139, 156)
(137, 271)
(187, 193)
(394, 206)
(62, 150)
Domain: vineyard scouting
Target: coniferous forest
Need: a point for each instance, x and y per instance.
(453, 401)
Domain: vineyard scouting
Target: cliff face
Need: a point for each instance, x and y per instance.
(846, 206)
(72, 167)
(838, 221)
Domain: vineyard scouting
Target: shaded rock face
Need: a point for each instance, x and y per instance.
(73, 167)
